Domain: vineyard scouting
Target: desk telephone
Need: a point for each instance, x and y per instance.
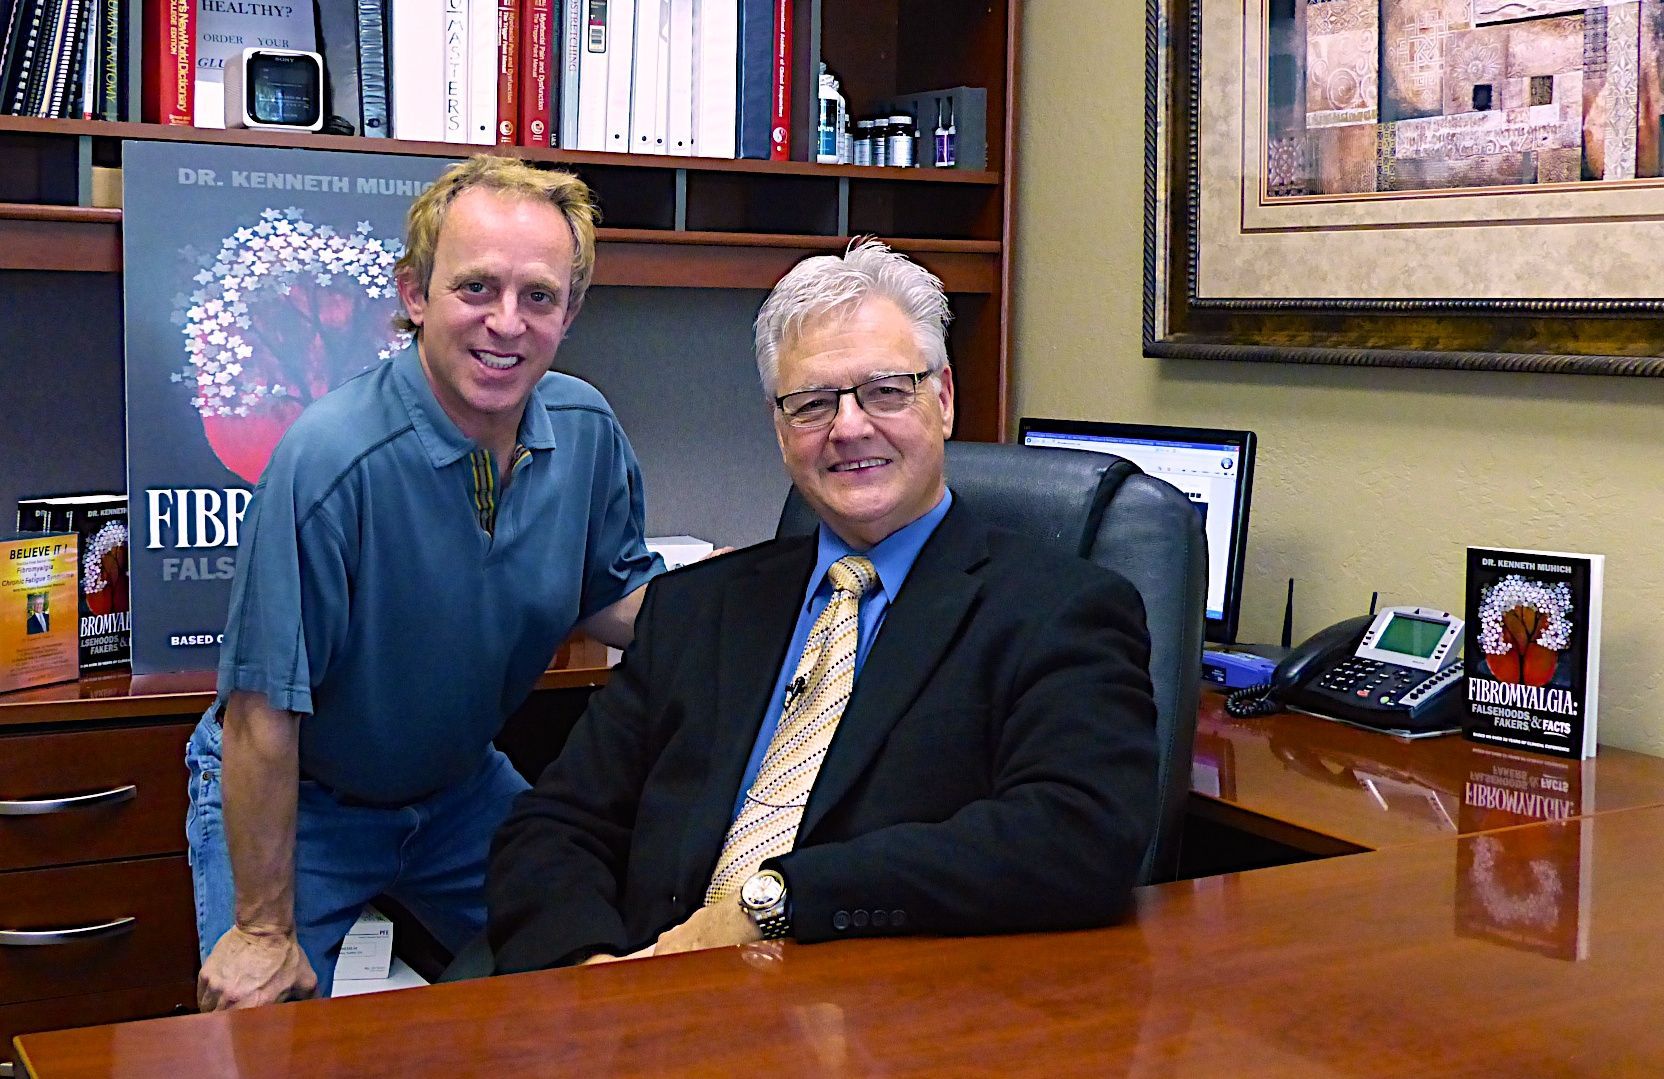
(1395, 671)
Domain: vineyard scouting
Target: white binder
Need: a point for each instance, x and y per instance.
(716, 76)
(679, 98)
(482, 71)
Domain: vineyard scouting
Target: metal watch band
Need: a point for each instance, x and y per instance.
(775, 926)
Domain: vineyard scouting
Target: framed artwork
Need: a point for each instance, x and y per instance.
(1417, 183)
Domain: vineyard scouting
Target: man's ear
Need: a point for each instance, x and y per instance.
(944, 397)
(411, 295)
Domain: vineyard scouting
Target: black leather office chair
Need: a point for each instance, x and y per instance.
(1105, 509)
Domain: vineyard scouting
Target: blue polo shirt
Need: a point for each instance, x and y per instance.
(388, 592)
(893, 558)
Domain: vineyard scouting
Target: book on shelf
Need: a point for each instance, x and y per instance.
(649, 80)
(99, 523)
(780, 89)
(38, 628)
(678, 113)
(372, 69)
(484, 28)
(716, 77)
(754, 100)
(541, 40)
(1532, 654)
(169, 62)
(507, 132)
(568, 44)
(343, 81)
(453, 70)
(1526, 888)
(619, 61)
(416, 31)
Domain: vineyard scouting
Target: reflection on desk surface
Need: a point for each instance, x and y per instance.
(1364, 965)
(1377, 791)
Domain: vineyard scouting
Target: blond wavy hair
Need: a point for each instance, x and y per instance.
(560, 189)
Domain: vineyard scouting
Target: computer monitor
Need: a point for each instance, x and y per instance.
(1214, 469)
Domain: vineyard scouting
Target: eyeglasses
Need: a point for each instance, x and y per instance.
(886, 395)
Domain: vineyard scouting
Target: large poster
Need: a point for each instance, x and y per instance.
(256, 280)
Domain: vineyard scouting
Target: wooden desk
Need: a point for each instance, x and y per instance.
(1456, 956)
(1326, 788)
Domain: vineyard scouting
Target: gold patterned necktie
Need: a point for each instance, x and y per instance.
(815, 699)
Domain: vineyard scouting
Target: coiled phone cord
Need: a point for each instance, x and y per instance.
(1252, 702)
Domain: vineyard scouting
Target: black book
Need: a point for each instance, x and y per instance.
(22, 54)
(1533, 649)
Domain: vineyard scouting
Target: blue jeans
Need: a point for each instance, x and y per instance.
(430, 856)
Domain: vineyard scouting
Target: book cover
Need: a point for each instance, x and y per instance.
(1532, 653)
(372, 69)
(99, 523)
(38, 635)
(170, 63)
(538, 35)
(225, 29)
(508, 72)
(780, 91)
(276, 287)
(23, 35)
(1526, 888)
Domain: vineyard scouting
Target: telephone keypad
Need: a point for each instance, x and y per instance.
(1366, 678)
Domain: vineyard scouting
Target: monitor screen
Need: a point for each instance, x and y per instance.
(1212, 468)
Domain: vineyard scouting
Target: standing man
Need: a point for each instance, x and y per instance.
(909, 722)
(348, 751)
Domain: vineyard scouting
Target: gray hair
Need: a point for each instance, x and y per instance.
(824, 284)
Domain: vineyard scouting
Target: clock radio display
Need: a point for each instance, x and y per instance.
(283, 90)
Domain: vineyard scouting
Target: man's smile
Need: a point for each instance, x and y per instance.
(860, 465)
(497, 361)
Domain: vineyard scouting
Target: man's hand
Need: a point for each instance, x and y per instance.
(721, 925)
(606, 957)
(248, 968)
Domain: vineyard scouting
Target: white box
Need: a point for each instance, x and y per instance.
(678, 551)
(367, 951)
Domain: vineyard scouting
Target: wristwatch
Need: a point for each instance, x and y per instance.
(764, 900)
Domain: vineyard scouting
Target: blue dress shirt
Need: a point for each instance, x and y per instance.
(893, 558)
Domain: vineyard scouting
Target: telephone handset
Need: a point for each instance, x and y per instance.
(1396, 670)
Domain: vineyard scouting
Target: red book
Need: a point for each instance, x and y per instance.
(780, 127)
(508, 71)
(169, 62)
(537, 37)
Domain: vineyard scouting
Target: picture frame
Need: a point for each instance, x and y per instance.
(1545, 263)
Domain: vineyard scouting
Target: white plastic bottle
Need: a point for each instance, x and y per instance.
(832, 140)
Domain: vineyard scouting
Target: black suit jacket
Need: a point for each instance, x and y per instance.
(38, 623)
(994, 769)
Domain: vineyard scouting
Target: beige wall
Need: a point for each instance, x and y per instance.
(1367, 479)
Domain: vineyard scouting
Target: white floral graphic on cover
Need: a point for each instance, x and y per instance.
(282, 313)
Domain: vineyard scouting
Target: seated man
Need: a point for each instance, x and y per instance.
(907, 723)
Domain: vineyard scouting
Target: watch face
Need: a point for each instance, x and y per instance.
(762, 890)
